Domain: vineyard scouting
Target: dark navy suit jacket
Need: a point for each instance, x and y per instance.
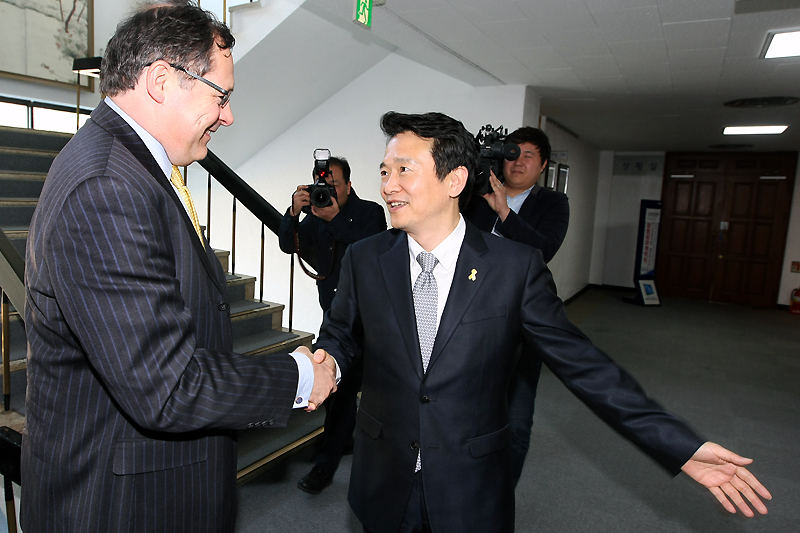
(542, 220)
(133, 391)
(455, 414)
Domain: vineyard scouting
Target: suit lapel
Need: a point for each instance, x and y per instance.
(116, 125)
(394, 265)
(463, 289)
(527, 210)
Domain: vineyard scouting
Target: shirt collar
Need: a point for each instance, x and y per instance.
(447, 251)
(155, 148)
(515, 203)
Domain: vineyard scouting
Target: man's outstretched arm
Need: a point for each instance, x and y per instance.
(723, 473)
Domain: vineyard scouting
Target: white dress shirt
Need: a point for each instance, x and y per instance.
(447, 253)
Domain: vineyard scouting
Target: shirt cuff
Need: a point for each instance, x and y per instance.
(305, 380)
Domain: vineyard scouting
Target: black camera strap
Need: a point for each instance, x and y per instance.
(305, 269)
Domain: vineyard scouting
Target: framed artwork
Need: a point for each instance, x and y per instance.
(548, 179)
(42, 37)
(563, 178)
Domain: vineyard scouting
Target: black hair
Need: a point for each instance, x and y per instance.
(536, 137)
(178, 32)
(342, 163)
(453, 146)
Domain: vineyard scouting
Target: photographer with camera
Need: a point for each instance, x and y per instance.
(335, 218)
(519, 209)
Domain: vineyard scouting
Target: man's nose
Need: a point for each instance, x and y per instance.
(391, 184)
(226, 115)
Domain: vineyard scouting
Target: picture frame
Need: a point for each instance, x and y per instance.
(563, 178)
(44, 37)
(548, 179)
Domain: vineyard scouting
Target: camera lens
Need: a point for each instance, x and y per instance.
(321, 197)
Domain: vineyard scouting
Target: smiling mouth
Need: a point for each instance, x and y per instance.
(395, 205)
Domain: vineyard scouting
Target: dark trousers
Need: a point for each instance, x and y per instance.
(416, 517)
(340, 419)
(521, 402)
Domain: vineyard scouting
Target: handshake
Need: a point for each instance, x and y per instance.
(325, 374)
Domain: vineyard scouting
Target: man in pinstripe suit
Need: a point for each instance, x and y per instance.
(133, 390)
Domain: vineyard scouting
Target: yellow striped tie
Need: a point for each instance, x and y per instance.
(177, 180)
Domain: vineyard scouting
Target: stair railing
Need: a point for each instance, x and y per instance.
(12, 290)
(245, 195)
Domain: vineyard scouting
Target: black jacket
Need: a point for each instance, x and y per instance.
(542, 220)
(357, 219)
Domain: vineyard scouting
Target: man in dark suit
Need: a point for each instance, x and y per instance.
(326, 232)
(431, 451)
(517, 208)
(133, 388)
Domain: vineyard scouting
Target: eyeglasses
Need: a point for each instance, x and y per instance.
(226, 95)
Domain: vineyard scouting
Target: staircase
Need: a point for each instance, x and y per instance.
(25, 158)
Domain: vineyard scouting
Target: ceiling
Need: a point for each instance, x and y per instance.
(625, 75)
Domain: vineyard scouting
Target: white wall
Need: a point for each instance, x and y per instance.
(623, 224)
(791, 280)
(572, 264)
(604, 180)
(347, 124)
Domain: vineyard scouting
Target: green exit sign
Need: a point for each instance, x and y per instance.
(363, 13)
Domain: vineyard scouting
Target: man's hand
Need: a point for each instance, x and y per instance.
(324, 378)
(300, 198)
(326, 213)
(497, 199)
(722, 472)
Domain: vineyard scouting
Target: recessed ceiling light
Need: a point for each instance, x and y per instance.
(784, 44)
(754, 130)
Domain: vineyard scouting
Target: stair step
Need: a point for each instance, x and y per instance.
(17, 212)
(256, 448)
(22, 184)
(223, 256)
(23, 160)
(18, 237)
(240, 287)
(33, 139)
(272, 341)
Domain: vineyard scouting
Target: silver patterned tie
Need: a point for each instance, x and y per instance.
(425, 303)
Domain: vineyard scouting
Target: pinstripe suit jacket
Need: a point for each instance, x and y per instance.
(133, 391)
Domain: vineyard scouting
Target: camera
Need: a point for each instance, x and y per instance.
(493, 150)
(320, 192)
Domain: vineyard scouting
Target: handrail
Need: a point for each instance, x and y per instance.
(243, 192)
(12, 273)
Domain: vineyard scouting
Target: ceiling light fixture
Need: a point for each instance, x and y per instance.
(782, 44)
(754, 130)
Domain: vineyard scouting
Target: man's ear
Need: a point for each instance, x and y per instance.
(156, 77)
(458, 180)
(544, 165)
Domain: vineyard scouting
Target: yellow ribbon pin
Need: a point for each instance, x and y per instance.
(472, 276)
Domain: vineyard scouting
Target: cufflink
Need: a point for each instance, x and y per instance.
(298, 400)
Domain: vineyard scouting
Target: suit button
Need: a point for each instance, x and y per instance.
(414, 446)
(223, 306)
(425, 400)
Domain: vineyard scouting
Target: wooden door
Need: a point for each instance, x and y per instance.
(724, 226)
